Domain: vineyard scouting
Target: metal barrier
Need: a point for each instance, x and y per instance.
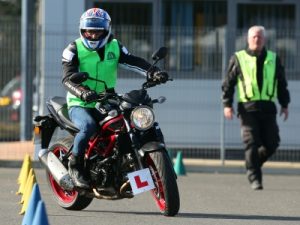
(192, 117)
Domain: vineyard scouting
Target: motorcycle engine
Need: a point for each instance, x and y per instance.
(100, 173)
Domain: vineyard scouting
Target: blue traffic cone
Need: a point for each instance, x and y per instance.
(32, 205)
(179, 166)
(40, 216)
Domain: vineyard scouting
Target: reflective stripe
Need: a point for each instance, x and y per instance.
(248, 89)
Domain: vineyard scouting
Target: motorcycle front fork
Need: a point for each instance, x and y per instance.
(133, 145)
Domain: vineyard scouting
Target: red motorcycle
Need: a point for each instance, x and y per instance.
(127, 156)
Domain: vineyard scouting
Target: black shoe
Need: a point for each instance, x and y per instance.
(256, 185)
(77, 173)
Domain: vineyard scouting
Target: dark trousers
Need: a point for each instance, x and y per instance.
(260, 134)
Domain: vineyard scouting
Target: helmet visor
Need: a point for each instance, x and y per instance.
(94, 24)
(94, 35)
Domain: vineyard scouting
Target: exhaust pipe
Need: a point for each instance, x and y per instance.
(57, 169)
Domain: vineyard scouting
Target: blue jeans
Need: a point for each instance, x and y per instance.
(87, 121)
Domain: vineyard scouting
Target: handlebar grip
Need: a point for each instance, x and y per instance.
(113, 102)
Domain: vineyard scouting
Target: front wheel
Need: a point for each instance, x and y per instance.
(165, 194)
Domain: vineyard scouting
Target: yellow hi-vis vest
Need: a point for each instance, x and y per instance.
(248, 89)
(106, 70)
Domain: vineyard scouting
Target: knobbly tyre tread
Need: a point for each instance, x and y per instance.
(168, 178)
(80, 202)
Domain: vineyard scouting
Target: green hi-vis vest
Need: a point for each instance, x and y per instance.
(106, 70)
(247, 83)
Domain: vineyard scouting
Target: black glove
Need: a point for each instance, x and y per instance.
(160, 77)
(89, 95)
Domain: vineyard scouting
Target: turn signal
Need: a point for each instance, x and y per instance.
(37, 130)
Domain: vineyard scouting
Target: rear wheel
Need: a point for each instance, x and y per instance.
(70, 200)
(166, 194)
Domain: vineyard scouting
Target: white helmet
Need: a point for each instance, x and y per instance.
(95, 19)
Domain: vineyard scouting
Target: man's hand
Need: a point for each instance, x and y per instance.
(158, 77)
(228, 113)
(284, 111)
(89, 95)
(161, 76)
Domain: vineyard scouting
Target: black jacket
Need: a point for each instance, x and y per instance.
(70, 64)
(230, 81)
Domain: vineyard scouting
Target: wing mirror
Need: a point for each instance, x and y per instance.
(160, 54)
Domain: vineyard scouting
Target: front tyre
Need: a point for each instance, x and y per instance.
(166, 193)
(70, 200)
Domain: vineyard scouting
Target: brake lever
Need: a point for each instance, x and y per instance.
(148, 84)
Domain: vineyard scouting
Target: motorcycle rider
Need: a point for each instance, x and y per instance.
(98, 53)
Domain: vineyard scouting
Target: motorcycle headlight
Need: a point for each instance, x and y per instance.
(142, 117)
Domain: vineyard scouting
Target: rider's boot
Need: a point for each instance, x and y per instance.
(76, 172)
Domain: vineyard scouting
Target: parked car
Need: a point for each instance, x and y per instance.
(10, 109)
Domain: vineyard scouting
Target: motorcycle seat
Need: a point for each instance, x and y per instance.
(60, 106)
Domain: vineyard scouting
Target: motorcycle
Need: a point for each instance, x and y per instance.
(127, 156)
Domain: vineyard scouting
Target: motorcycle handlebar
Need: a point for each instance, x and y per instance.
(102, 97)
(113, 102)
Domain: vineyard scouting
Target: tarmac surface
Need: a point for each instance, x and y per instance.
(212, 192)
(206, 199)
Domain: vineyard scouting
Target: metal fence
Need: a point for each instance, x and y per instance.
(192, 118)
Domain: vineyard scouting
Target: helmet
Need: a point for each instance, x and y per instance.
(95, 19)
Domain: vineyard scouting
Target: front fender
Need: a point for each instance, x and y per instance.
(151, 147)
